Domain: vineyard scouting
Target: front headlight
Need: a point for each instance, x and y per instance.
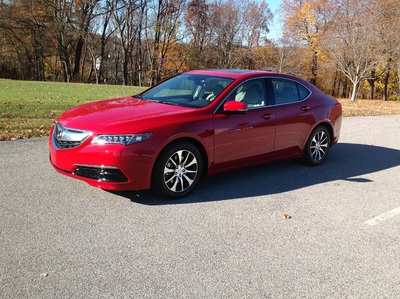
(125, 139)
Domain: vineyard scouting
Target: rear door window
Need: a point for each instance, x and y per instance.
(287, 91)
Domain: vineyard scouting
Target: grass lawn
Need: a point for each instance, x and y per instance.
(28, 109)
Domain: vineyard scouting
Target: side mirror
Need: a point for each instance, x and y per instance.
(235, 107)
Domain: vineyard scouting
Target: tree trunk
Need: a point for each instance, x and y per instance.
(354, 91)
(398, 87)
(371, 82)
(314, 67)
(64, 58)
(335, 81)
(78, 56)
(344, 90)
(386, 80)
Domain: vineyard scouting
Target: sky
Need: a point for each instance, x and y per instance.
(276, 25)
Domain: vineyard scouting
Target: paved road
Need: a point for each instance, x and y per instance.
(61, 238)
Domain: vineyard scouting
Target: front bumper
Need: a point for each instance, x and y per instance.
(110, 166)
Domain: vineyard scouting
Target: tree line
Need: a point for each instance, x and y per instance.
(348, 48)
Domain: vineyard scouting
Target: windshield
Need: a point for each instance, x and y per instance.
(187, 90)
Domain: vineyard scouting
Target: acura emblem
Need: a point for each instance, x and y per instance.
(60, 132)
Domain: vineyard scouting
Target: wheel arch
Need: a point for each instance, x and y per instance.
(325, 124)
(328, 126)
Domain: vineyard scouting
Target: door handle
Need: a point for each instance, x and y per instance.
(267, 116)
(305, 108)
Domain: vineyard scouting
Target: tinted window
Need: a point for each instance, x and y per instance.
(251, 92)
(303, 92)
(287, 91)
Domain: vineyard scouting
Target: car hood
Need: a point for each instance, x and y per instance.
(111, 115)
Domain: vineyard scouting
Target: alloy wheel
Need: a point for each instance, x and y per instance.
(319, 146)
(180, 171)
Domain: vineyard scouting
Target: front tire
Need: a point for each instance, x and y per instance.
(317, 147)
(177, 170)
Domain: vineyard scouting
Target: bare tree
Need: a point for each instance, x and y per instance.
(287, 54)
(197, 21)
(255, 24)
(123, 12)
(166, 19)
(82, 15)
(61, 19)
(99, 57)
(354, 46)
(235, 28)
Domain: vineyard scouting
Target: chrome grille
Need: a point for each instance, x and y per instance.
(68, 144)
(67, 138)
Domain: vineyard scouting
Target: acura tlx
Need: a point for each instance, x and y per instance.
(194, 124)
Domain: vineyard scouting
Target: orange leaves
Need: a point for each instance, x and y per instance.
(307, 19)
(175, 61)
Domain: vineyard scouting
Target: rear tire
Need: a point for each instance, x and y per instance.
(317, 147)
(178, 170)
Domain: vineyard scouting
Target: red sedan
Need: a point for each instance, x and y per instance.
(194, 124)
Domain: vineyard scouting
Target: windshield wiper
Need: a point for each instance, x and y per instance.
(163, 102)
(137, 96)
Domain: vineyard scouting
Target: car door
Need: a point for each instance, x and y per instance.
(247, 137)
(294, 115)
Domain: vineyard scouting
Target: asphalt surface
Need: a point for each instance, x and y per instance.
(283, 230)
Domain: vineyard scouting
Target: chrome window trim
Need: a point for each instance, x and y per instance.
(266, 89)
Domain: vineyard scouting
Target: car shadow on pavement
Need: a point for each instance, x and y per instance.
(346, 161)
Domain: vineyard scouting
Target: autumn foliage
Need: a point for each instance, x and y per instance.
(348, 48)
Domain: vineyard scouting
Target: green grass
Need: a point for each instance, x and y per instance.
(28, 109)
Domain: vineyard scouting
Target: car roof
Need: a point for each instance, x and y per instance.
(231, 73)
